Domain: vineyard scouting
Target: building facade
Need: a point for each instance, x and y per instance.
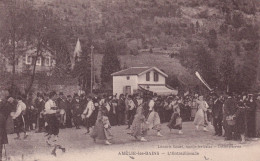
(134, 79)
(24, 63)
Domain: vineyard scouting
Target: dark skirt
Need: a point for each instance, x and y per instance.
(89, 122)
(77, 120)
(167, 115)
(19, 124)
(241, 121)
(53, 124)
(3, 134)
(112, 118)
(172, 123)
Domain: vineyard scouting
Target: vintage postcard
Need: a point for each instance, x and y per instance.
(129, 80)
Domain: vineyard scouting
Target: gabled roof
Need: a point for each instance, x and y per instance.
(137, 71)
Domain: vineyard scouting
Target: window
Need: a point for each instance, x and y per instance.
(39, 61)
(28, 60)
(156, 77)
(127, 78)
(148, 76)
(47, 61)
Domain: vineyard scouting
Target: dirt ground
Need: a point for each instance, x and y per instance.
(191, 146)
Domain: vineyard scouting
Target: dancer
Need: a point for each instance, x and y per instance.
(53, 123)
(131, 111)
(176, 121)
(139, 126)
(18, 117)
(102, 128)
(201, 116)
(87, 114)
(153, 118)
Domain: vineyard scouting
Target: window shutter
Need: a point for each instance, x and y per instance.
(148, 76)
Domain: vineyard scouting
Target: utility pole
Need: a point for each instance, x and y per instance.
(91, 70)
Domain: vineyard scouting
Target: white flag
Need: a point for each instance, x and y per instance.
(77, 53)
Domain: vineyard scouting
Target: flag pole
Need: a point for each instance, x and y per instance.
(91, 70)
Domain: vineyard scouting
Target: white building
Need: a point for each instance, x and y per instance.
(131, 80)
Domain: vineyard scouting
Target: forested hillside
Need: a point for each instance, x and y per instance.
(219, 38)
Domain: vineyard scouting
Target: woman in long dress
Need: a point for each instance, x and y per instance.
(139, 126)
(102, 128)
(154, 118)
(176, 121)
(201, 116)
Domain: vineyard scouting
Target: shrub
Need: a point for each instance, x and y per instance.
(204, 14)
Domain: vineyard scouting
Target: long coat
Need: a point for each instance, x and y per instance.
(5, 110)
(217, 111)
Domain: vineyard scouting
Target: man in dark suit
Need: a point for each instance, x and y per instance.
(68, 111)
(120, 110)
(230, 107)
(217, 114)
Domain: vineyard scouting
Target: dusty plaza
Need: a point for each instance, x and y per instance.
(191, 146)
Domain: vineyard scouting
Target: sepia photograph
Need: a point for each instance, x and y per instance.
(129, 80)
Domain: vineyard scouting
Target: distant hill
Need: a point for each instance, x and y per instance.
(148, 31)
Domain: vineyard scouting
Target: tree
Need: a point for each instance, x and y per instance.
(14, 30)
(197, 58)
(82, 70)
(206, 65)
(249, 70)
(227, 70)
(124, 66)
(110, 62)
(44, 36)
(212, 39)
(173, 81)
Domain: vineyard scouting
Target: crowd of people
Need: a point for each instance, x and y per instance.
(233, 116)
